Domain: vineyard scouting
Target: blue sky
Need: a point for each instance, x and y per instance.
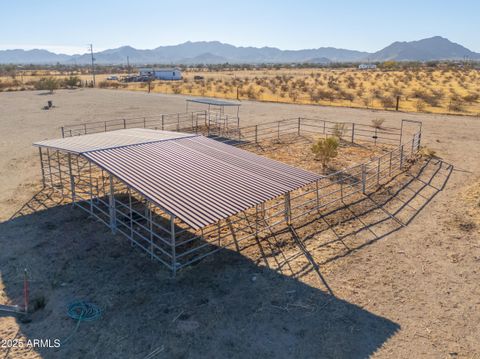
(68, 26)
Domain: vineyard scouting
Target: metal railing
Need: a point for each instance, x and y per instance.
(174, 243)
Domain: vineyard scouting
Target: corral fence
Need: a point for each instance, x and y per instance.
(226, 128)
(195, 121)
(174, 243)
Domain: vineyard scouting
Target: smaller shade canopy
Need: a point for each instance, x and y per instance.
(214, 102)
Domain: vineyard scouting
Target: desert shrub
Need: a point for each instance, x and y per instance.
(338, 130)
(47, 83)
(6, 84)
(420, 105)
(251, 94)
(387, 102)
(72, 81)
(103, 84)
(367, 101)
(325, 149)
(378, 122)
(427, 152)
(349, 96)
(176, 89)
(471, 97)
(377, 93)
(293, 95)
(456, 104)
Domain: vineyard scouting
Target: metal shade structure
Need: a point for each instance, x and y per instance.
(197, 179)
(215, 103)
(182, 196)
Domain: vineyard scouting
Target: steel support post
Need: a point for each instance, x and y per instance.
(172, 239)
(41, 165)
(150, 227)
(72, 178)
(60, 172)
(91, 186)
(49, 167)
(353, 132)
(113, 212)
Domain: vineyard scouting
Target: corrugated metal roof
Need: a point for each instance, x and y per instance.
(105, 140)
(213, 102)
(200, 180)
(197, 179)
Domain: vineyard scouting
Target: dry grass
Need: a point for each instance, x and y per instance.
(449, 90)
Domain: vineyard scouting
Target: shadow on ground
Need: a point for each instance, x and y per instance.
(233, 305)
(224, 307)
(348, 227)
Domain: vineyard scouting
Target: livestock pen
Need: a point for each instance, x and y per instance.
(181, 196)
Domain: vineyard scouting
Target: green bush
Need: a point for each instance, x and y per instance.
(326, 149)
(47, 83)
(72, 81)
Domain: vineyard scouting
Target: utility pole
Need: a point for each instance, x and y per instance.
(128, 65)
(93, 64)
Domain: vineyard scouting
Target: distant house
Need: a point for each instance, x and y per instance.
(367, 66)
(162, 74)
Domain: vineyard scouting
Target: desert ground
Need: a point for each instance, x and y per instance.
(409, 292)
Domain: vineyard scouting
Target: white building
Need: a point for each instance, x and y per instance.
(162, 74)
(367, 66)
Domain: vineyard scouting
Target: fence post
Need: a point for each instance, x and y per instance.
(390, 166)
(163, 122)
(401, 157)
(317, 190)
(288, 210)
(378, 172)
(124, 123)
(144, 122)
(341, 189)
(353, 132)
(84, 128)
(63, 132)
(364, 178)
(196, 124)
(278, 130)
(178, 122)
(105, 124)
(299, 119)
(256, 134)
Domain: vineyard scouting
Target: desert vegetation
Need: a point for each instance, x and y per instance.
(448, 89)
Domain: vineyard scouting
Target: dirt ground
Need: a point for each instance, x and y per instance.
(402, 287)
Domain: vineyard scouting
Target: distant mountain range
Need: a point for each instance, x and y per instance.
(214, 52)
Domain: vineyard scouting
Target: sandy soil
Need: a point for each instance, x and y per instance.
(386, 291)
